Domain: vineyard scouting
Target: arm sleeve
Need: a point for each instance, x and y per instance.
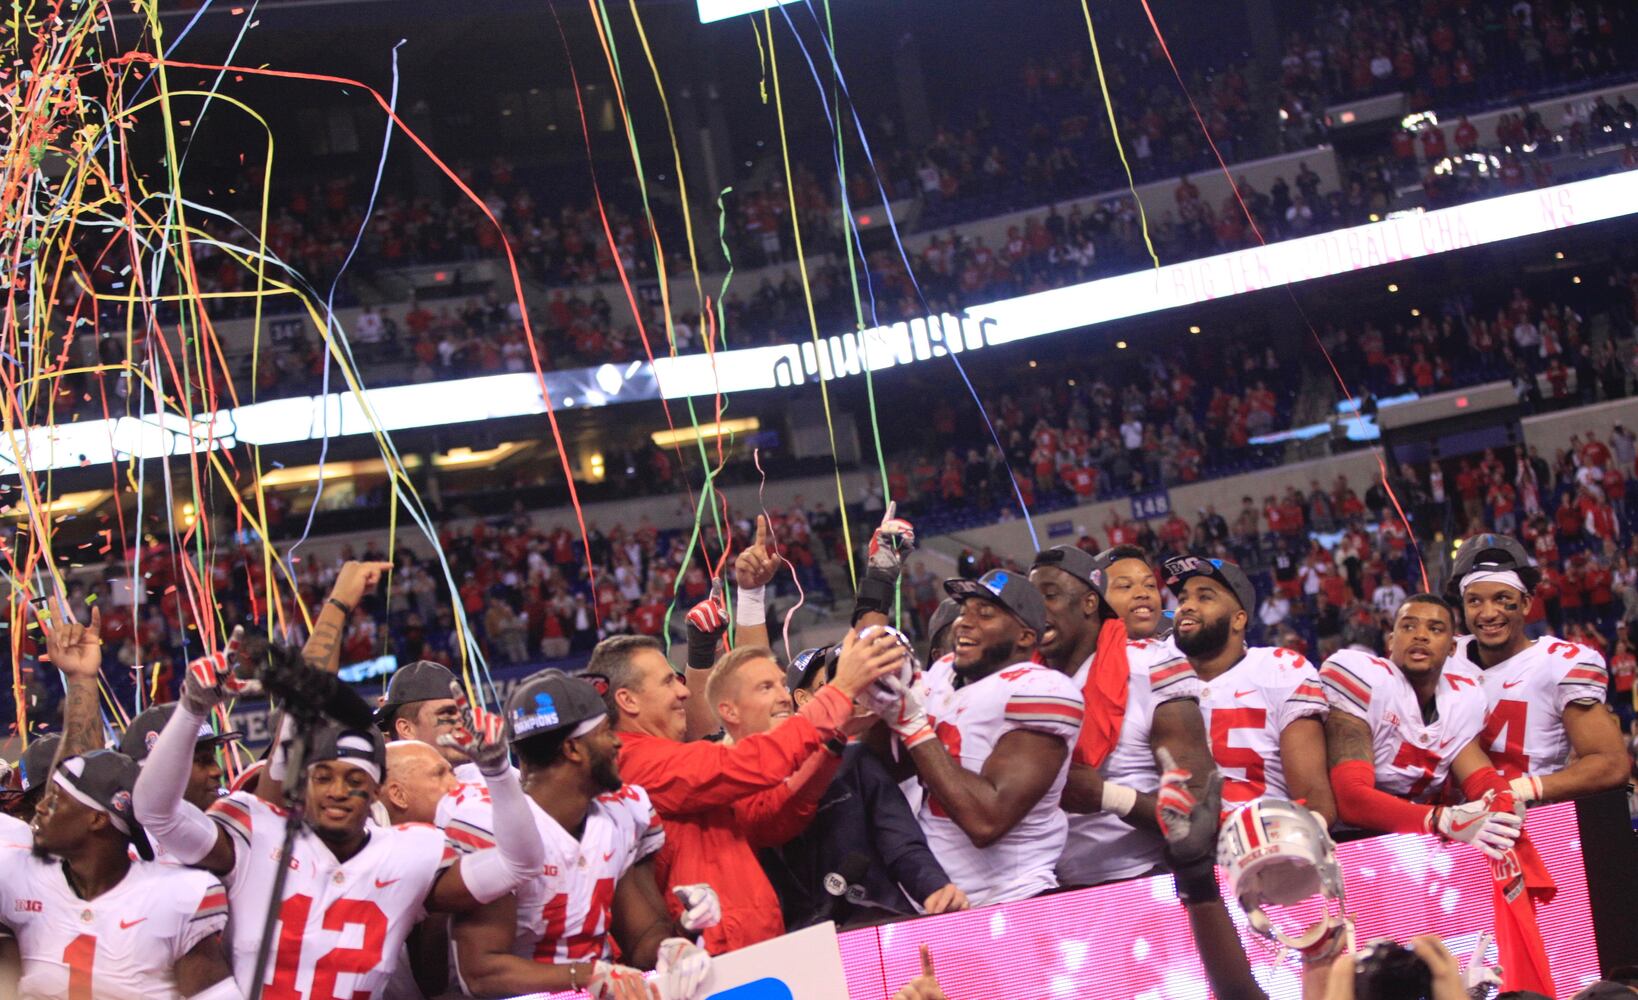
(519, 853)
(897, 836)
(181, 828)
(691, 777)
(1360, 803)
(774, 817)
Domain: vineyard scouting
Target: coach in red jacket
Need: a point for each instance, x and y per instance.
(713, 797)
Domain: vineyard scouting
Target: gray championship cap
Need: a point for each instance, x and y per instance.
(364, 748)
(1181, 568)
(422, 680)
(35, 765)
(1010, 590)
(143, 732)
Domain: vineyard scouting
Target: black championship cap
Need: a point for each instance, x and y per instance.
(422, 680)
(1490, 553)
(551, 701)
(363, 748)
(1229, 574)
(944, 616)
(143, 732)
(809, 662)
(1010, 590)
(35, 764)
(102, 780)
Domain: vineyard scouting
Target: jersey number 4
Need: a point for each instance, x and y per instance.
(1507, 722)
(588, 944)
(287, 962)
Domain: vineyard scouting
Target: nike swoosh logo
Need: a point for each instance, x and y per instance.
(1446, 743)
(383, 883)
(1459, 827)
(1242, 694)
(608, 855)
(1511, 684)
(127, 925)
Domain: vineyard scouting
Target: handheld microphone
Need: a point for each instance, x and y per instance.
(843, 884)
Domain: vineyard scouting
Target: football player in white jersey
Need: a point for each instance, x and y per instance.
(92, 922)
(1399, 727)
(354, 889)
(597, 886)
(1264, 706)
(1545, 697)
(989, 732)
(1113, 828)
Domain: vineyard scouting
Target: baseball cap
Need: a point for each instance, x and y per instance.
(1492, 553)
(551, 701)
(1074, 560)
(102, 780)
(143, 732)
(944, 616)
(1229, 574)
(35, 764)
(422, 680)
(1010, 590)
(363, 748)
(809, 662)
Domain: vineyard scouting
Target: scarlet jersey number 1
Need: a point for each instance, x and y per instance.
(79, 956)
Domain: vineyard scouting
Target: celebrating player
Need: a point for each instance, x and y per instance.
(1264, 706)
(354, 890)
(1397, 729)
(92, 922)
(1141, 695)
(1545, 697)
(598, 884)
(989, 733)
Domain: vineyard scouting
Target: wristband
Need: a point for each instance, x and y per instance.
(1118, 799)
(875, 593)
(836, 745)
(750, 606)
(345, 608)
(702, 649)
(1197, 884)
(1526, 788)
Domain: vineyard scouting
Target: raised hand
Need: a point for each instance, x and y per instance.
(924, 986)
(701, 907)
(682, 966)
(479, 734)
(74, 649)
(708, 617)
(355, 579)
(891, 542)
(1492, 831)
(756, 566)
(210, 679)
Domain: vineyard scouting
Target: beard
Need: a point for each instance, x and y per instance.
(1206, 641)
(605, 774)
(990, 659)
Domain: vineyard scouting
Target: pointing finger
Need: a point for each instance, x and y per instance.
(761, 530)
(94, 630)
(927, 961)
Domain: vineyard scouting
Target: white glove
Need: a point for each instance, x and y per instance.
(1526, 789)
(617, 982)
(210, 680)
(701, 907)
(682, 967)
(907, 719)
(1479, 973)
(891, 542)
(1493, 833)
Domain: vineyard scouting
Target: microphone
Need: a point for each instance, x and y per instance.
(843, 884)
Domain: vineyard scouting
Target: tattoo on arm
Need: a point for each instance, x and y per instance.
(82, 720)
(1346, 738)
(322, 650)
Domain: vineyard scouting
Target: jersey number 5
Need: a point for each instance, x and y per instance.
(1223, 722)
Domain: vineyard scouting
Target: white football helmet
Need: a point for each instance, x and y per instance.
(1277, 854)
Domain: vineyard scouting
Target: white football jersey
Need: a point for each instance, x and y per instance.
(343, 922)
(970, 721)
(1102, 847)
(563, 914)
(1411, 757)
(1247, 707)
(122, 945)
(15, 832)
(1525, 697)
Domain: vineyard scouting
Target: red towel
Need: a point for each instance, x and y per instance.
(1105, 694)
(1521, 880)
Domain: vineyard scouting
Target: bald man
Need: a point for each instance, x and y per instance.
(418, 776)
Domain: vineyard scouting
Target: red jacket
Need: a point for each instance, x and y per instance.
(719, 802)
